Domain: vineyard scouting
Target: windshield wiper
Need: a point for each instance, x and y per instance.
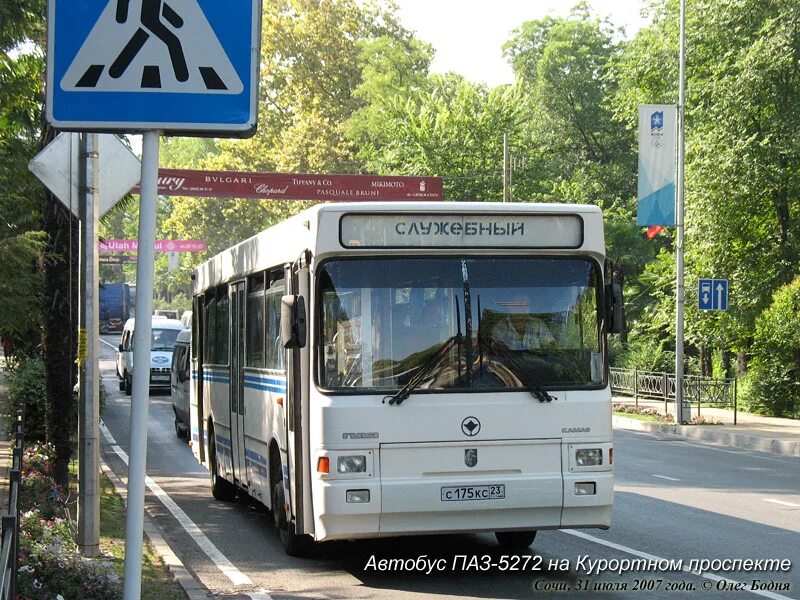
(424, 370)
(510, 361)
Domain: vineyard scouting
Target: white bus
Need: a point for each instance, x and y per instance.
(385, 369)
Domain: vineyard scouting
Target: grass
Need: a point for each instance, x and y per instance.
(157, 581)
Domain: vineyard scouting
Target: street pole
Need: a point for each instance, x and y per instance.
(506, 186)
(679, 290)
(89, 383)
(132, 586)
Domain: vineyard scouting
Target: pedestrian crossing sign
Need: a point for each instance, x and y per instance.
(167, 65)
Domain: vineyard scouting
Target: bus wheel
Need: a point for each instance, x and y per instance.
(121, 385)
(221, 489)
(515, 540)
(293, 544)
(128, 384)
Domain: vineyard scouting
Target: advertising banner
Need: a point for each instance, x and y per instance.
(296, 186)
(161, 246)
(656, 190)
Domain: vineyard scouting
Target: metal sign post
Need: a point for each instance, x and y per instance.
(140, 396)
(679, 224)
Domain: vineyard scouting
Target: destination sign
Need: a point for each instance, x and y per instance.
(462, 231)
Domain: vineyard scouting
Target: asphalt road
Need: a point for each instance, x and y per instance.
(674, 500)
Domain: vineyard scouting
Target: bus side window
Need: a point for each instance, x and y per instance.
(221, 339)
(275, 351)
(255, 321)
(210, 329)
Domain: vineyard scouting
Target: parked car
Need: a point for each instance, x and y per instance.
(180, 381)
(169, 314)
(162, 338)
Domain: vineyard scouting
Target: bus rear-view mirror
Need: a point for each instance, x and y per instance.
(293, 321)
(614, 308)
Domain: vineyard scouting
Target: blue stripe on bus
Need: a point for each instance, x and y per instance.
(264, 379)
(223, 441)
(259, 469)
(255, 456)
(267, 384)
(266, 388)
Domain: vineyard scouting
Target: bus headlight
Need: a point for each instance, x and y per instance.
(589, 457)
(351, 464)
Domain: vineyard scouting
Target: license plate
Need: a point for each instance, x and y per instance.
(160, 378)
(473, 492)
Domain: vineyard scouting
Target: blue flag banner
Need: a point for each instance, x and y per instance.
(656, 190)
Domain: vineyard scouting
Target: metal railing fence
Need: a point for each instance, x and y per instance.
(697, 390)
(10, 521)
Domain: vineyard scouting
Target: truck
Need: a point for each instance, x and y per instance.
(115, 306)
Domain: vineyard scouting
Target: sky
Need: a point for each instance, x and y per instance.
(468, 35)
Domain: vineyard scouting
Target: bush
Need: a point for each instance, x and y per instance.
(622, 407)
(38, 490)
(773, 386)
(645, 354)
(27, 382)
(51, 567)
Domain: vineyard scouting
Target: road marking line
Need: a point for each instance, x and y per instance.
(792, 504)
(219, 559)
(665, 477)
(641, 554)
(112, 346)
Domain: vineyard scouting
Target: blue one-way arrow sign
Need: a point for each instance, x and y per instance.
(164, 65)
(712, 294)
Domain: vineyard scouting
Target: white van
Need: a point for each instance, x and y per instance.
(162, 339)
(180, 381)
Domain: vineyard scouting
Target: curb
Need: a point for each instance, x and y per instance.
(193, 589)
(709, 436)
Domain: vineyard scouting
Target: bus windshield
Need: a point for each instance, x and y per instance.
(501, 323)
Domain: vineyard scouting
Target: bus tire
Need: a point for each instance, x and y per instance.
(221, 488)
(293, 544)
(515, 540)
(128, 384)
(121, 385)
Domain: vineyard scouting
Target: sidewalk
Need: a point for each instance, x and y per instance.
(753, 432)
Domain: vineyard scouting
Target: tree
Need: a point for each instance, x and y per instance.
(584, 153)
(743, 153)
(451, 128)
(22, 133)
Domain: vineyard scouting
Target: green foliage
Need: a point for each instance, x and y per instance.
(774, 386)
(452, 128)
(26, 386)
(585, 155)
(51, 567)
(646, 354)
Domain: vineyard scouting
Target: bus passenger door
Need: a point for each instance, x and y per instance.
(236, 391)
(297, 419)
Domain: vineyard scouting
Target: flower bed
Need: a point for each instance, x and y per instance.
(49, 564)
(651, 413)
